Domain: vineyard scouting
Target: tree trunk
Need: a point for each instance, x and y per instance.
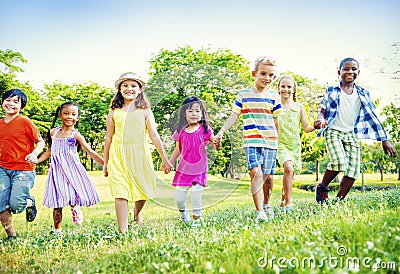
(398, 177)
(380, 170)
(317, 171)
(232, 172)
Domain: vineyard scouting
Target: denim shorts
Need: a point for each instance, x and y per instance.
(261, 156)
(15, 188)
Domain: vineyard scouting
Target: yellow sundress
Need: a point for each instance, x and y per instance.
(130, 167)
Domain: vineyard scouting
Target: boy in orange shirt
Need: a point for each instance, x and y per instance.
(18, 158)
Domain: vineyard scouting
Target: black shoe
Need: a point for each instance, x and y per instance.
(31, 211)
(321, 193)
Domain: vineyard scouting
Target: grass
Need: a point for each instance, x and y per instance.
(314, 239)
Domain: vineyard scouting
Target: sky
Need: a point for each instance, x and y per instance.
(79, 41)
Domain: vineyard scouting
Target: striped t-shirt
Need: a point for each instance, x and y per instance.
(258, 110)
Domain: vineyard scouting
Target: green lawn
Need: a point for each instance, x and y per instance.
(360, 235)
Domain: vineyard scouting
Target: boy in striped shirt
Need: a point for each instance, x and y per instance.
(259, 107)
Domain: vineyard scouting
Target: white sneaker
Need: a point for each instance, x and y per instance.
(261, 216)
(57, 232)
(196, 223)
(269, 211)
(185, 216)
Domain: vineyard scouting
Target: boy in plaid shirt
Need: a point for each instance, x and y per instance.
(347, 113)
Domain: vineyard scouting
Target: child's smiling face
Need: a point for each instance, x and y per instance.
(12, 105)
(349, 71)
(130, 89)
(69, 115)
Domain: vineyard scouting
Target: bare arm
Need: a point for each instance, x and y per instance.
(107, 142)
(276, 122)
(228, 124)
(321, 117)
(46, 155)
(155, 138)
(93, 154)
(303, 119)
(175, 154)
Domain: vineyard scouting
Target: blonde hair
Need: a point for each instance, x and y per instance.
(288, 77)
(264, 60)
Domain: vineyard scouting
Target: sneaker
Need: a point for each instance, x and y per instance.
(321, 193)
(31, 211)
(196, 223)
(269, 211)
(185, 216)
(289, 209)
(261, 216)
(77, 215)
(57, 232)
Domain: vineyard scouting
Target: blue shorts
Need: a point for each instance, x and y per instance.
(15, 186)
(261, 156)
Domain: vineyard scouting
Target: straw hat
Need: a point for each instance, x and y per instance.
(129, 76)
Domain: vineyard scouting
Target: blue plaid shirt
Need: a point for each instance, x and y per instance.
(367, 124)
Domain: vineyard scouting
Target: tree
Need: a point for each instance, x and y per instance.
(8, 69)
(392, 126)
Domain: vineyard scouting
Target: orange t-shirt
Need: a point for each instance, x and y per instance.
(17, 139)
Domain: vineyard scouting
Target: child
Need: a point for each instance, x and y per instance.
(192, 135)
(20, 144)
(68, 183)
(289, 144)
(260, 108)
(346, 113)
(127, 159)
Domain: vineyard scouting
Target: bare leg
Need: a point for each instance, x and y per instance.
(121, 209)
(256, 187)
(57, 217)
(6, 221)
(288, 175)
(345, 185)
(137, 215)
(329, 175)
(268, 180)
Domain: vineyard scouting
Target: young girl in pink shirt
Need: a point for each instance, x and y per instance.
(192, 135)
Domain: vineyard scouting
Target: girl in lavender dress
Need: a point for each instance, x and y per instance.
(192, 135)
(68, 183)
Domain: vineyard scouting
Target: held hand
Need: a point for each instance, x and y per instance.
(166, 166)
(389, 149)
(218, 138)
(216, 146)
(105, 171)
(32, 158)
(320, 123)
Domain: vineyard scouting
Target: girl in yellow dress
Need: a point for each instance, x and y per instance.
(127, 159)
